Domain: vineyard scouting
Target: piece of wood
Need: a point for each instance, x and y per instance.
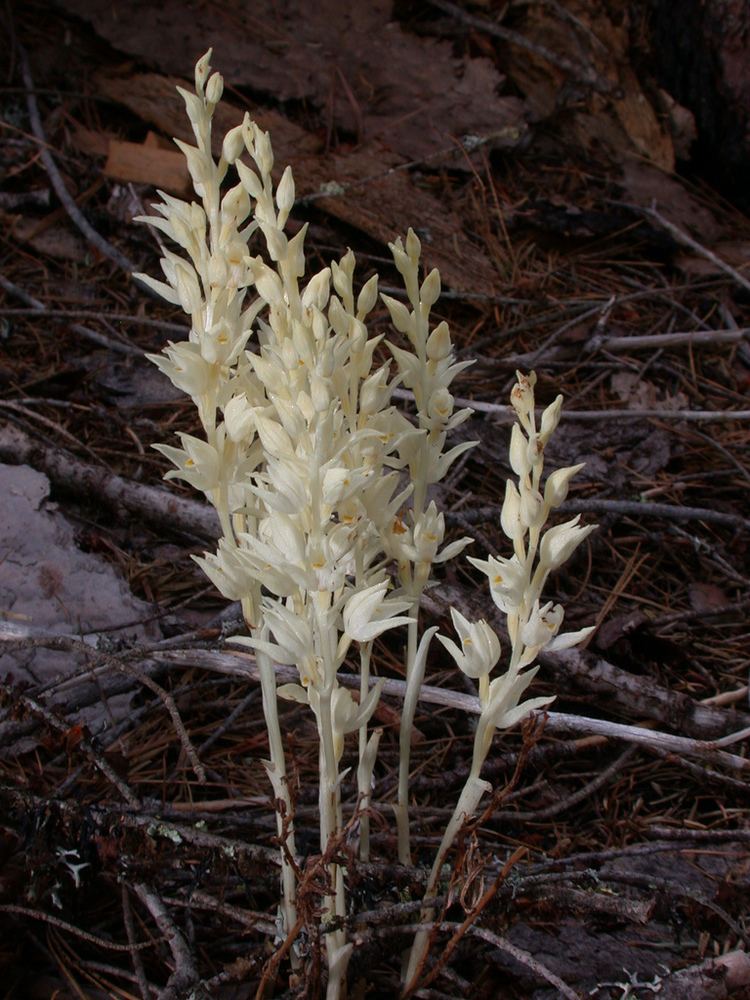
(147, 163)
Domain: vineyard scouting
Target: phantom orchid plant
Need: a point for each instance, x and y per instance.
(321, 485)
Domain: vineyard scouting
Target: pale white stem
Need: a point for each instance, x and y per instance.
(364, 774)
(329, 800)
(466, 806)
(414, 678)
(364, 783)
(276, 769)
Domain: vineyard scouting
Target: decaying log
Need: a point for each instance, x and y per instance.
(155, 506)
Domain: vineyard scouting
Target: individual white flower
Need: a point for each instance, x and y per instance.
(367, 614)
(239, 418)
(197, 462)
(559, 543)
(508, 581)
(440, 406)
(186, 368)
(542, 625)
(349, 716)
(291, 631)
(480, 647)
(503, 708)
(429, 532)
(522, 398)
(227, 573)
(340, 484)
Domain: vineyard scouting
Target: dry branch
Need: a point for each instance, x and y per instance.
(165, 510)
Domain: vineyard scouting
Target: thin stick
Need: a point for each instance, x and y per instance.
(48, 918)
(616, 345)
(555, 722)
(38, 308)
(68, 203)
(494, 939)
(682, 237)
(138, 967)
(508, 414)
(586, 74)
(185, 972)
(158, 324)
(62, 727)
(635, 508)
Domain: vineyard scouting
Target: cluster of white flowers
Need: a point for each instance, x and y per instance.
(321, 484)
(516, 585)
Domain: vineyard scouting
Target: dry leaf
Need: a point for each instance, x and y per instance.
(706, 597)
(143, 163)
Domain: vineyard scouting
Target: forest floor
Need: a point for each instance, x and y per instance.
(538, 168)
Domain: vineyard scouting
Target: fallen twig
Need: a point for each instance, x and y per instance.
(185, 975)
(243, 665)
(239, 664)
(585, 74)
(682, 237)
(61, 727)
(37, 308)
(67, 201)
(156, 506)
(635, 508)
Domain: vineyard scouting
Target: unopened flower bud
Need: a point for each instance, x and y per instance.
(285, 195)
(558, 483)
(518, 451)
(202, 69)
(367, 297)
(510, 514)
(239, 418)
(215, 88)
(429, 293)
(522, 395)
(532, 507)
(400, 314)
(413, 246)
(233, 145)
(439, 344)
(317, 290)
(263, 152)
(249, 178)
(550, 419)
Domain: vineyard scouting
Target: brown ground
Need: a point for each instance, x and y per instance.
(564, 239)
